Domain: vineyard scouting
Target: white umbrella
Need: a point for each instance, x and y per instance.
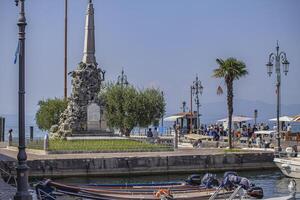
(271, 132)
(236, 119)
(296, 118)
(172, 118)
(283, 119)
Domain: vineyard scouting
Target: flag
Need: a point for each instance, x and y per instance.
(17, 53)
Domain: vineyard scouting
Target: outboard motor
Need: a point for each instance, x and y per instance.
(246, 184)
(231, 180)
(194, 179)
(210, 180)
(230, 173)
(44, 192)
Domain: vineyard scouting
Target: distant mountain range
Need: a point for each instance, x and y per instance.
(218, 110)
(11, 120)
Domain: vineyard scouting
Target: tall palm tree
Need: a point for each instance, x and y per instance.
(230, 69)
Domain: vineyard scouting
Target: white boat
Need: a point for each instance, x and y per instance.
(290, 166)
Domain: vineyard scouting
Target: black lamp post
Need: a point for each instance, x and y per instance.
(278, 57)
(255, 116)
(183, 106)
(162, 117)
(122, 79)
(22, 168)
(197, 89)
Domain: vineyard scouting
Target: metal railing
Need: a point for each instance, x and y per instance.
(34, 144)
(215, 194)
(235, 193)
(9, 176)
(42, 195)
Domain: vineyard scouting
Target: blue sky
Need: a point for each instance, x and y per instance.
(158, 43)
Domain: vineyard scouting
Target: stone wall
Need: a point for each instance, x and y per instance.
(151, 165)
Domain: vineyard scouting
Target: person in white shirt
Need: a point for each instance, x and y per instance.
(288, 128)
(258, 141)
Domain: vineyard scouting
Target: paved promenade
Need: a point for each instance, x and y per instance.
(10, 155)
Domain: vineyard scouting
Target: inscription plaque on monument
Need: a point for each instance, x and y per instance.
(93, 117)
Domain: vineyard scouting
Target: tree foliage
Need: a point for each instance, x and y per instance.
(230, 69)
(127, 107)
(152, 107)
(49, 112)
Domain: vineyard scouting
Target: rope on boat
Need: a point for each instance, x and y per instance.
(235, 193)
(41, 195)
(215, 194)
(5, 173)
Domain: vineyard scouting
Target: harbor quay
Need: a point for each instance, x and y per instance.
(189, 100)
(139, 163)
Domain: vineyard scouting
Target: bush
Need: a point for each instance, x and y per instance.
(49, 112)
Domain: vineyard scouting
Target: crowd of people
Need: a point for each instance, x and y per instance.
(218, 130)
(243, 132)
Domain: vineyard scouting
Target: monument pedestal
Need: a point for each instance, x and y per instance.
(93, 126)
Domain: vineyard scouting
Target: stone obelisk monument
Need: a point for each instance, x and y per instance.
(84, 114)
(89, 37)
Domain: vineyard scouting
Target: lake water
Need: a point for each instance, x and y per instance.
(273, 182)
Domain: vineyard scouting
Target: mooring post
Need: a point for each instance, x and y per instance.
(2, 129)
(46, 142)
(31, 133)
(10, 137)
(176, 137)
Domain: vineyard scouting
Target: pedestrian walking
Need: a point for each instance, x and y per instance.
(10, 137)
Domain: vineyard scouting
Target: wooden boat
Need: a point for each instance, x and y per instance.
(137, 192)
(195, 187)
(192, 182)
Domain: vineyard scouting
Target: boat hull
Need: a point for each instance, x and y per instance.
(137, 193)
(290, 167)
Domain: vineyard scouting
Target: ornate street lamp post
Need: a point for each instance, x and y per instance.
(255, 116)
(191, 111)
(183, 106)
(162, 117)
(278, 57)
(22, 168)
(197, 89)
(122, 79)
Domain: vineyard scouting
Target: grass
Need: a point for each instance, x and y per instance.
(107, 145)
(233, 150)
(36, 144)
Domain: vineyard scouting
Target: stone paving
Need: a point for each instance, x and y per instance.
(7, 155)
